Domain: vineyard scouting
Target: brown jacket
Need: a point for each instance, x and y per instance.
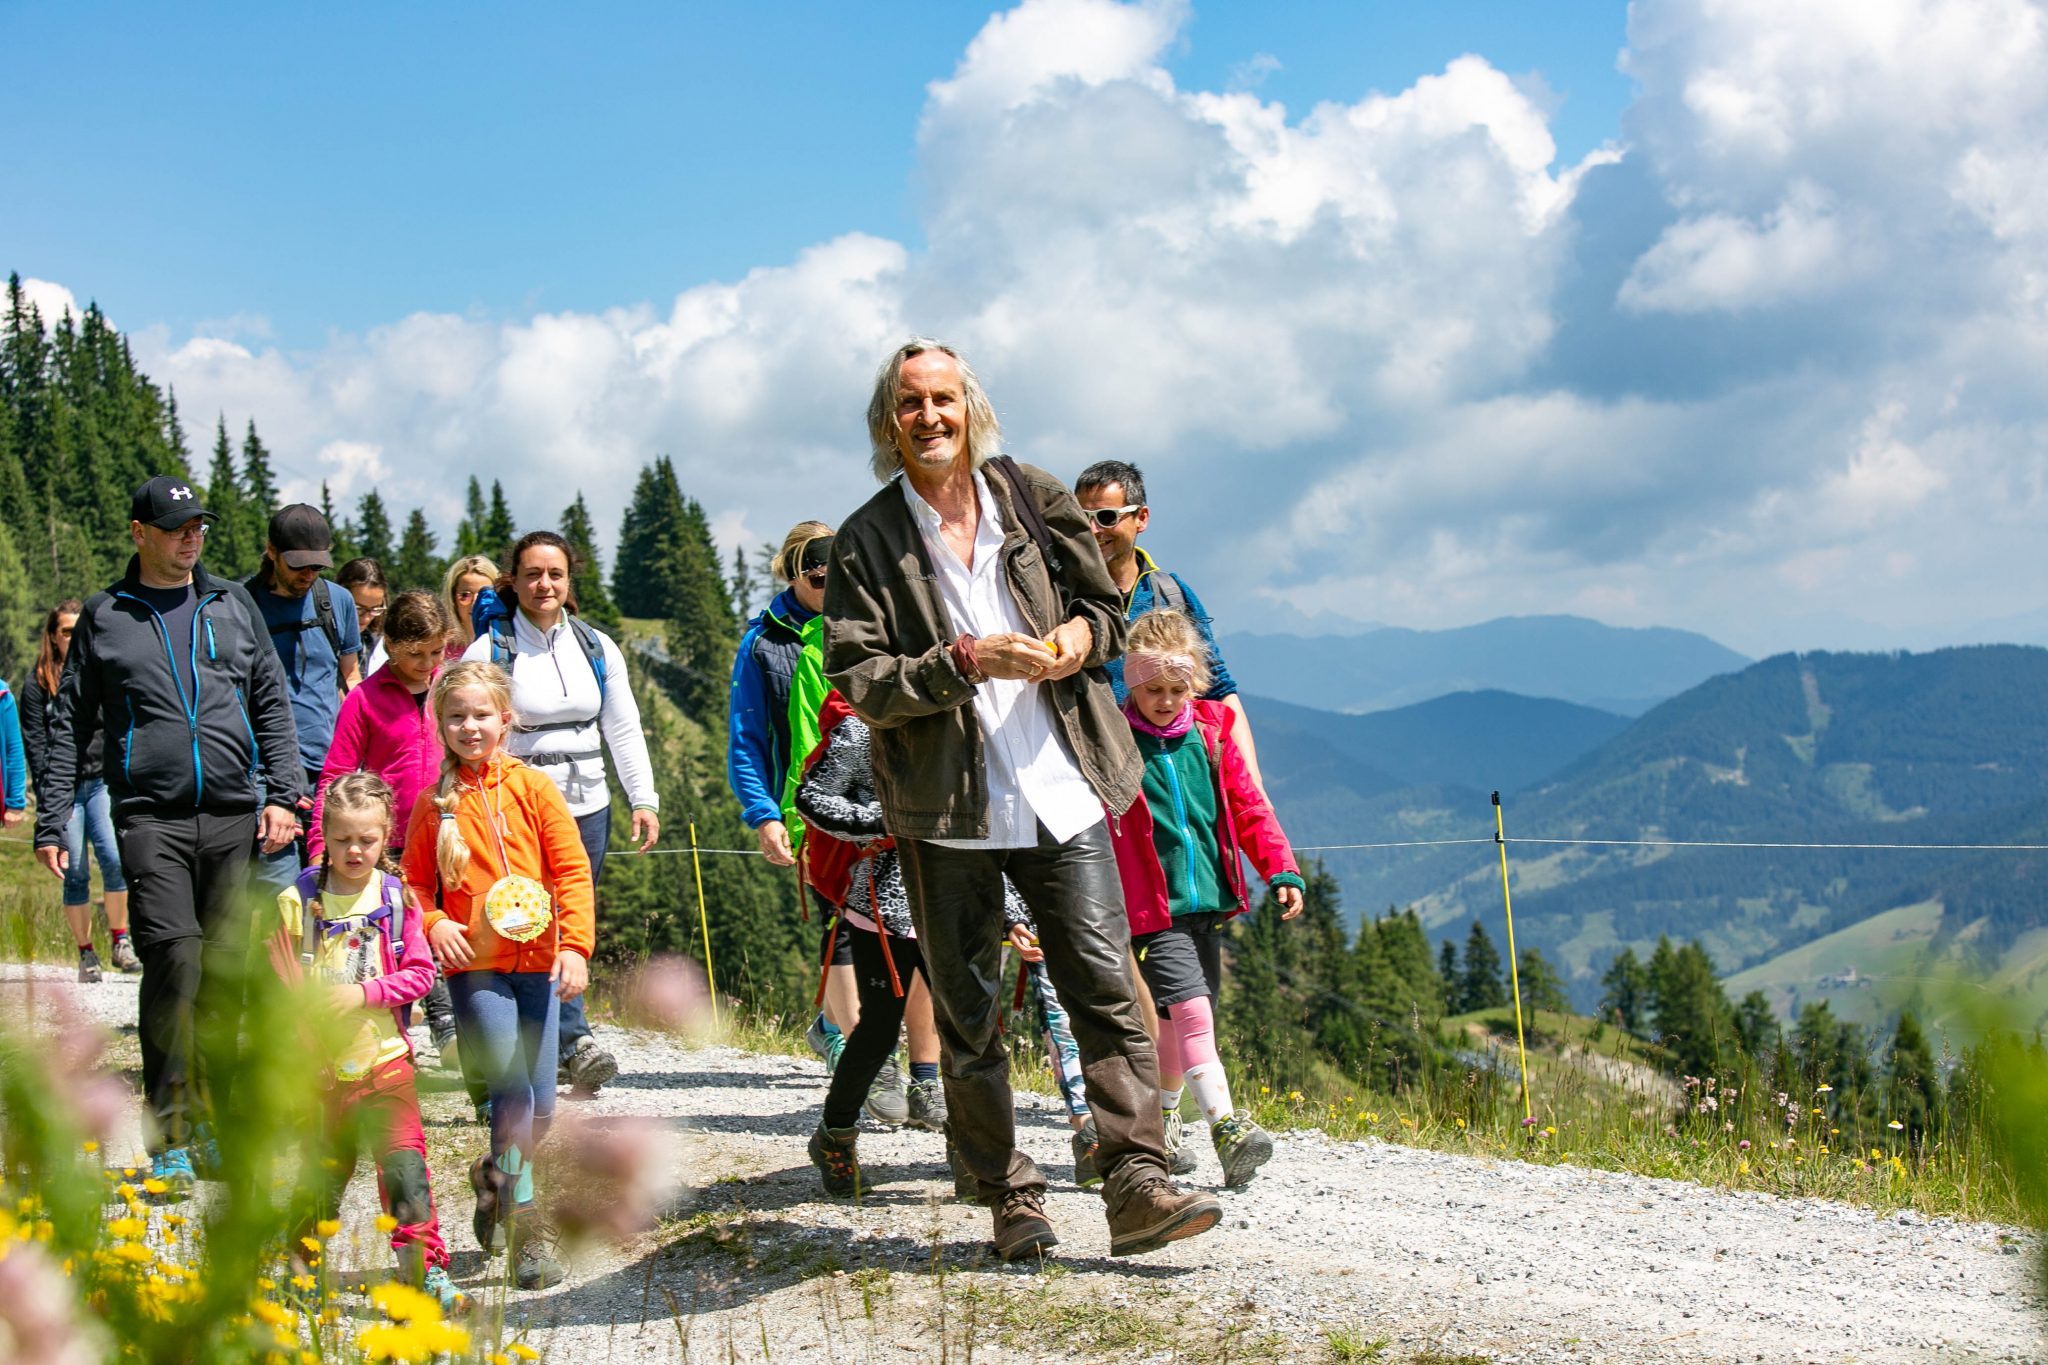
(887, 639)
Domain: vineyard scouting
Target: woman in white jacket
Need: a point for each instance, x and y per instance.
(573, 703)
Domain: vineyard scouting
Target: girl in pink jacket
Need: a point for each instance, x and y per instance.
(385, 727)
(351, 939)
(1178, 853)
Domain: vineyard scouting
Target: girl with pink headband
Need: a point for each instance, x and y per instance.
(1180, 853)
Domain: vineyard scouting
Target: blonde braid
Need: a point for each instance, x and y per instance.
(451, 850)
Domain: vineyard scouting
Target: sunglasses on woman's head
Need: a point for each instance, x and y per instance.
(814, 577)
(1106, 518)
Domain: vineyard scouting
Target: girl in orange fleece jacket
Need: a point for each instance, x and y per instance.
(494, 849)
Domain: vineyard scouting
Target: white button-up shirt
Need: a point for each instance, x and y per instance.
(1032, 778)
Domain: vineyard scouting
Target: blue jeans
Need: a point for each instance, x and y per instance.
(506, 1024)
(92, 818)
(596, 829)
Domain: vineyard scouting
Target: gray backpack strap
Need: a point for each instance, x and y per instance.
(1167, 592)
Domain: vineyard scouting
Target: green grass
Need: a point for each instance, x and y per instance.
(1888, 950)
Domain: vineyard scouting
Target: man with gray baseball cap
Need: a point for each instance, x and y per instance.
(174, 667)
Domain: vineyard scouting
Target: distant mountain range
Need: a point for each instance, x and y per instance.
(1613, 668)
(1948, 747)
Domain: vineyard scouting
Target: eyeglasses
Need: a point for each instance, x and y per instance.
(191, 530)
(1106, 518)
(814, 577)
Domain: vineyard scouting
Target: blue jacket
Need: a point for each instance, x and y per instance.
(13, 757)
(1142, 599)
(757, 716)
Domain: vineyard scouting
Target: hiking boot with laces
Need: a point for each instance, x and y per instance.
(88, 966)
(589, 1066)
(1242, 1146)
(1155, 1212)
(928, 1105)
(172, 1170)
(1022, 1230)
(886, 1102)
(489, 1183)
(533, 1250)
(438, 1286)
(123, 957)
(832, 1152)
(1179, 1159)
(1086, 1176)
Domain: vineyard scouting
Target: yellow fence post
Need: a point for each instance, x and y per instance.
(1514, 966)
(704, 923)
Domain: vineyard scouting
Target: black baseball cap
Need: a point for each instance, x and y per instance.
(167, 503)
(301, 537)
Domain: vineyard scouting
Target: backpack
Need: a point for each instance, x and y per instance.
(1168, 593)
(495, 615)
(827, 861)
(391, 912)
(323, 617)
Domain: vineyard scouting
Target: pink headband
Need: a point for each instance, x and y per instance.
(1142, 666)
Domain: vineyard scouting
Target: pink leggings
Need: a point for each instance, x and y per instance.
(1189, 1036)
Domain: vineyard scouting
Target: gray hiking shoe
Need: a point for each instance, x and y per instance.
(1242, 1146)
(928, 1105)
(88, 966)
(589, 1066)
(886, 1101)
(123, 957)
(1179, 1159)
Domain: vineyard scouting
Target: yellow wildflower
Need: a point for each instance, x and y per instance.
(154, 1186)
(134, 1253)
(386, 1224)
(271, 1313)
(326, 1228)
(403, 1303)
(91, 1146)
(524, 1352)
(127, 1229)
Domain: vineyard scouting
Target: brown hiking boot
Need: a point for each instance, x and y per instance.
(1157, 1212)
(1022, 1230)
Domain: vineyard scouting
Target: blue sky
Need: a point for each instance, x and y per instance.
(1722, 314)
(333, 167)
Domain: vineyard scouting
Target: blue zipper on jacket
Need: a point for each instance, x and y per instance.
(1180, 820)
(190, 704)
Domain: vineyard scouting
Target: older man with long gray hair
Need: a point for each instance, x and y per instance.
(967, 618)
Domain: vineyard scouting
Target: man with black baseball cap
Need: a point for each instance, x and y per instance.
(174, 667)
(319, 641)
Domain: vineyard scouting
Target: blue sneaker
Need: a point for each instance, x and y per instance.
(436, 1284)
(171, 1169)
(206, 1163)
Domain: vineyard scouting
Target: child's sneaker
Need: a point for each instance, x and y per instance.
(124, 957)
(886, 1102)
(820, 1040)
(1086, 1176)
(206, 1162)
(928, 1105)
(437, 1285)
(88, 966)
(172, 1170)
(1242, 1146)
(832, 1152)
(1179, 1159)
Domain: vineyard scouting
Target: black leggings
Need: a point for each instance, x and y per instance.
(881, 1019)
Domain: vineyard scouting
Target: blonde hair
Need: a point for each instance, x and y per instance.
(354, 793)
(462, 568)
(1166, 631)
(451, 850)
(984, 432)
(790, 558)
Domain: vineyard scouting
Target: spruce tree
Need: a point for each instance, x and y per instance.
(259, 490)
(19, 614)
(344, 538)
(745, 587)
(1542, 989)
(1479, 985)
(371, 531)
(593, 603)
(1690, 1010)
(1912, 1084)
(1756, 1025)
(1417, 987)
(415, 565)
(1447, 972)
(499, 528)
(230, 552)
(1626, 992)
(469, 532)
(641, 576)
(702, 631)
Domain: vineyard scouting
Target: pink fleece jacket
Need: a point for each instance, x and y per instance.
(382, 729)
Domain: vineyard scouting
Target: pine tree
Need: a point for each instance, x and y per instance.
(641, 574)
(1542, 988)
(1480, 986)
(702, 631)
(230, 552)
(499, 528)
(19, 617)
(1912, 1084)
(1756, 1025)
(259, 490)
(415, 565)
(593, 603)
(1447, 971)
(372, 531)
(469, 532)
(1417, 988)
(744, 585)
(1690, 1010)
(1626, 992)
(344, 539)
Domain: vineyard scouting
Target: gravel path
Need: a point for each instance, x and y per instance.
(1337, 1246)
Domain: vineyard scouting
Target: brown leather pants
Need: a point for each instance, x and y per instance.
(956, 899)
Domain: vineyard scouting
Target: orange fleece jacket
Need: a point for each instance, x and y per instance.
(541, 842)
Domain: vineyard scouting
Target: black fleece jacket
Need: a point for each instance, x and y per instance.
(215, 735)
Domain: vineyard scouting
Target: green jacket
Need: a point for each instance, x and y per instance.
(807, 692)
(888, 650)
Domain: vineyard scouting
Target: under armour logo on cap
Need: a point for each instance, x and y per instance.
(166, 503)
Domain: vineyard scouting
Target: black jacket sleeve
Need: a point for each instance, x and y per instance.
(74, 720)
(35, 729)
